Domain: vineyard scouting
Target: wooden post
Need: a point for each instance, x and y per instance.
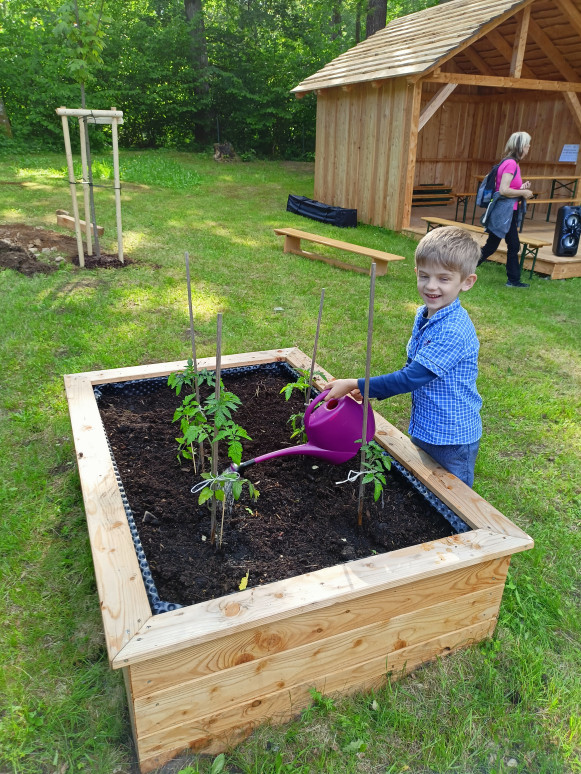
(88, 234)
(366, 392)
(71, 170)
(117, 184)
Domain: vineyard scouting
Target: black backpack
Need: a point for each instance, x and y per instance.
(487, 187)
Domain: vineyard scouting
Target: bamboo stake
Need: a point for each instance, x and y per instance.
(88, 236)
(366, 392)
(215, 443)
(69, 155)
(194, 358)
(117, 184)
(308, 395)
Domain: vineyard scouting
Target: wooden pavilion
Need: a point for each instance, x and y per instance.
(433, 97)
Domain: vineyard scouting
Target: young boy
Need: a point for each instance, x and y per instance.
(442, 363)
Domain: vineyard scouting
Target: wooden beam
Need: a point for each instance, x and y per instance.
(552, 52)
(503, 83)
(574, 106)
(66, 221)
(572, 14)
(520, 42)
(504, 48)
(435, 103)
(485, 30)
(478, 61)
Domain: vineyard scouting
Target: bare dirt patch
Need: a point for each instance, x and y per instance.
(36, 250)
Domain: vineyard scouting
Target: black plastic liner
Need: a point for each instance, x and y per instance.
(324, 213)
(148, 386)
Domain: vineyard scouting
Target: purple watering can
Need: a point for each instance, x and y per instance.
(334, 432)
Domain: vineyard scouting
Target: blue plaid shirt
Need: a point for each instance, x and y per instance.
(446, 410)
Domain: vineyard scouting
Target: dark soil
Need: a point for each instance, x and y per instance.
(21, 249)
(301, 522)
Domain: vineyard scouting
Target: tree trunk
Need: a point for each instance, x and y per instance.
(376, 16)
(195, 15)
(5, 127)
(336, 20)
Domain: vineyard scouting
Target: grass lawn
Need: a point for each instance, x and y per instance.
(509, 705)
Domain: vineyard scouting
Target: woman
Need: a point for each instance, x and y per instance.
(509, 185)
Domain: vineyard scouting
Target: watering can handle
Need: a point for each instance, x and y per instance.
(315, 402)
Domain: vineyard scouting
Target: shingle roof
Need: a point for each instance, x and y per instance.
(413, 44)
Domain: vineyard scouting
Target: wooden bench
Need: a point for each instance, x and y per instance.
(558, 200)
(292, 244)
(530, 245)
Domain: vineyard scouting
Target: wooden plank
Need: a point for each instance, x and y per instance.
(164, 369)
(568, 72)
(505, 50)
(276, 672)
(574, 106)
(572, 13)
(520, 42)
(196, 624)
(503, 83)
(66, 221)
(434, 104)
(524, 239)
(216, 732)
(407, 167)
(122, 598)
(369, 252)
(381, 268)
(231, 651)
(476, 511)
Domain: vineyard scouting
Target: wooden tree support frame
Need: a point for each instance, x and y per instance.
(204, 676)
(113, 117)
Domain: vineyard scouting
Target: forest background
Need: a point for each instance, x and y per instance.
(186, 73)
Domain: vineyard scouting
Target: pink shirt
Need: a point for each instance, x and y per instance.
(511, 167)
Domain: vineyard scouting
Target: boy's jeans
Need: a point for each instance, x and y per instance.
(459, 459)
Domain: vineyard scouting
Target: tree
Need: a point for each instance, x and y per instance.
(5, 127)
(376, 16)
(199, 49)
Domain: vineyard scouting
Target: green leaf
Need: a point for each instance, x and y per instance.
(218, 764)
(205, 495)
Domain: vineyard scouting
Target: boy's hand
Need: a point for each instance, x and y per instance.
(340, 387)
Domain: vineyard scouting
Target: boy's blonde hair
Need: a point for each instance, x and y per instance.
(450, 247)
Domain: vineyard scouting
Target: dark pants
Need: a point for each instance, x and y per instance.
(513, 248)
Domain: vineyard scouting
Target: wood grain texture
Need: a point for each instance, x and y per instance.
(214, 732)
(308, 662)
(203, 676)
(315, 626)
(208, 621)
(122, 598)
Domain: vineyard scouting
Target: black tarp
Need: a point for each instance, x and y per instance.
(324, 213)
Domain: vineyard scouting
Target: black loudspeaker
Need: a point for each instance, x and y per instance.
(324, 213)
(567, 231)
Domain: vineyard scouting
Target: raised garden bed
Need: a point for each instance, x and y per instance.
(203, 675)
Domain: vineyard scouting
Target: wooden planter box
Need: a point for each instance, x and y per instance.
(204, 676)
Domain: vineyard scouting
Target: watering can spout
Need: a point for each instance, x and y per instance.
(334, 432)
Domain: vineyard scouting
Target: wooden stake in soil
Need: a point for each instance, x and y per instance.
(366, 392)
(194, 358)
(83, 140)
(215, 443)
(117, 185)
(308, 395)
(69, 155)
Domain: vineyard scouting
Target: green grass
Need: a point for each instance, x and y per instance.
(513, 700)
